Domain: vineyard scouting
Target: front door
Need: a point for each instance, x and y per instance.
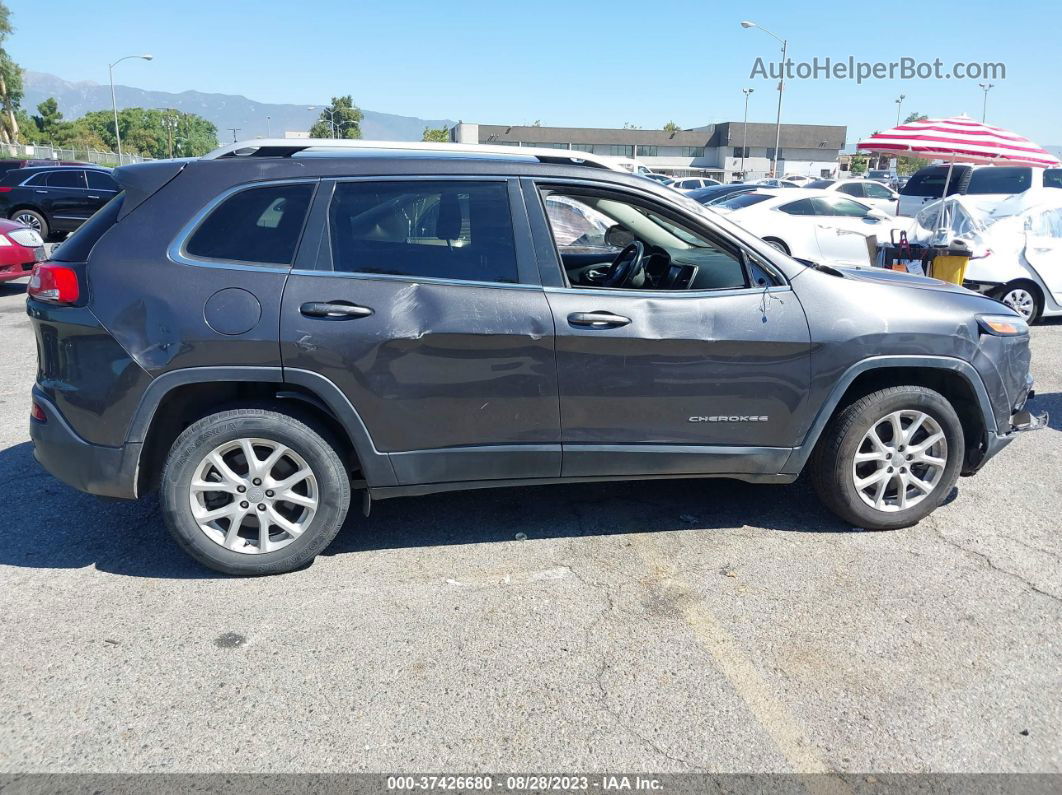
(68, 204)
(422, 304)
(694, 361)
(842, 229)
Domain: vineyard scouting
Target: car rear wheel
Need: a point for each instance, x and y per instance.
(889, 459)
(33, 219)
(252, 491)
(1024, 297)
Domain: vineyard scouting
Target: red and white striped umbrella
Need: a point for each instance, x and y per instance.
(959, 139)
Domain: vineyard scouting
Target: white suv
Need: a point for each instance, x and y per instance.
(927, 184)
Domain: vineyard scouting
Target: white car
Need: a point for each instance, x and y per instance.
(992, 182)
(1015, 247)
(811, 224)
(865, 191)
(801, 180)
(693, 183)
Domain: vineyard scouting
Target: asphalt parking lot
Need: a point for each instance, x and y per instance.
(662, 626)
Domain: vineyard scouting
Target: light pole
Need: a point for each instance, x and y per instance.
(170, 123)
(267, 125)
(745, 131)
(781, 87)
(899, 103)
(986, 87)
(114, 104)
(234, 130)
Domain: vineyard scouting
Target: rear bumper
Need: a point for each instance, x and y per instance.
(92, 468)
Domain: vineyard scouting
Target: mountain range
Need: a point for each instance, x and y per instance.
(226, 111)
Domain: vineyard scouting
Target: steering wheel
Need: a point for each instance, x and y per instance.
(626, 267)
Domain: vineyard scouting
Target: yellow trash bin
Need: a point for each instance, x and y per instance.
(950, 267)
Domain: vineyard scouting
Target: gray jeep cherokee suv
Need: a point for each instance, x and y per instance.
(260, 332)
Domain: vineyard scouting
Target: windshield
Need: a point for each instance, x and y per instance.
(820, 184)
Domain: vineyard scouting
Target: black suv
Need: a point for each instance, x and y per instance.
(55, 199)
(261, 332)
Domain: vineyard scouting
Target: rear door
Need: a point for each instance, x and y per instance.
(420, 300)
(101, 189)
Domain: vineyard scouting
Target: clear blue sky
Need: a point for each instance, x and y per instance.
(599, 63)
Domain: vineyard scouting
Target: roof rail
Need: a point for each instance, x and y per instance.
(286, 147)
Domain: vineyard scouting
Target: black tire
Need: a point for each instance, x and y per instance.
(41, 222)
(833, 467)
(313, 444)
(778, 244)
(1030, 287)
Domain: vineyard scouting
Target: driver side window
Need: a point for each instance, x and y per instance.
(611, 241)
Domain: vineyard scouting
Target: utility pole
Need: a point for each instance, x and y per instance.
(170, 123)
(781, 87)
(234, 130)
(986, 87)
(745, 131)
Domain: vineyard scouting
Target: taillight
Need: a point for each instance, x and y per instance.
(5, 189)
(37, 413)
(56, 284)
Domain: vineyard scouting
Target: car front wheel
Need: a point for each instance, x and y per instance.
(33, 219)
(889, 459)
(1023, 297)
(252, 491)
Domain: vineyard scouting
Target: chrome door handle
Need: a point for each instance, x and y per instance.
(40, 191)
(334, 311)
(597, 320)
(93, 197)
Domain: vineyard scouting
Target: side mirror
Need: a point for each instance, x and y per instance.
(875, 214)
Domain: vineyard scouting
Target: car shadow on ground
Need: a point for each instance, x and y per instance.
(1051, 402)
(50, 525)
(12, 288)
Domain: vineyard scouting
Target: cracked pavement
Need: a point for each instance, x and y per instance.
(661, 626)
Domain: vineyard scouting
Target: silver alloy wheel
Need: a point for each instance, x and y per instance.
(253, 495)
(1021, 301)
(900, 460)
(32, 221)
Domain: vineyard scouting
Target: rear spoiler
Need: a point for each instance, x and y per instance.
(141, 180)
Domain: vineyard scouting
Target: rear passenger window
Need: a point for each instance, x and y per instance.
(74, 178)
(260, 225)
(446, 230)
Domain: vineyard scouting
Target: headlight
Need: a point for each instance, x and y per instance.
(1003, 325)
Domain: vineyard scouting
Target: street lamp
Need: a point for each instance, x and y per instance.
(745, 131)
(899, 102)
(986, 87)
(781, 86)
(114, 104)
(267, 125)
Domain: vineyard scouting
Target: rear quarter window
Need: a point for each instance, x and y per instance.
(256, 225)
(1000, 179)
(930, 182)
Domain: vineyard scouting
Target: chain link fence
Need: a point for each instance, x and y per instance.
(48, 152)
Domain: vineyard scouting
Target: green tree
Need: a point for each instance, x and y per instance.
(858, 164)
(49, 118)
(671, 127)
(144, 131)
(341, 119)
(10, 83)
(909, 165)
(439, 135)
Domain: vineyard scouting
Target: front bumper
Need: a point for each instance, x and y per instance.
(1022, 420)
(92, 468)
